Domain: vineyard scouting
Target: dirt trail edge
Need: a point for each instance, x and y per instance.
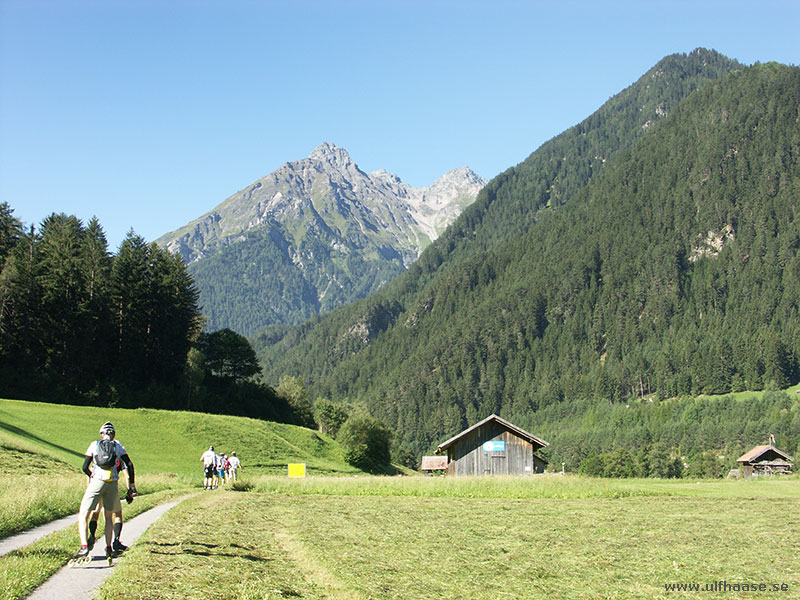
(79, 583)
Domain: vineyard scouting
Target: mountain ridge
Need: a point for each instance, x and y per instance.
(312, 235)
(248, 208)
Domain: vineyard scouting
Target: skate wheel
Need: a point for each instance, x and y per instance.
(71, 563)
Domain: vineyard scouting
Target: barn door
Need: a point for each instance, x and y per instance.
(495, 460)
(498, 463)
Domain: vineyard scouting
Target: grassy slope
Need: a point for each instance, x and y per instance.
(795, 389)
(42, 445)
(168, 441)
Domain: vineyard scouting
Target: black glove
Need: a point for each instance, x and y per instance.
(131, 493)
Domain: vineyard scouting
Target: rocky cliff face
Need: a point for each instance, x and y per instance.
(314, 234)
(327, 191)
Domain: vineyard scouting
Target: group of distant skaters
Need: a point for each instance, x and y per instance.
(219, 468)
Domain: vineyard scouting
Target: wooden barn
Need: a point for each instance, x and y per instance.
(765, 460)
(493, 447)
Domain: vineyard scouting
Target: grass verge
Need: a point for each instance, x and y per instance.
(22, 571)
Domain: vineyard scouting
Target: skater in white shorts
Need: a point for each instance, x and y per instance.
(100, 464)
(94, 516)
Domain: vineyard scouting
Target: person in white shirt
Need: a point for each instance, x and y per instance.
(222, 468)
(209, 467)
(219, 472)
(235, 465)
(101, 465)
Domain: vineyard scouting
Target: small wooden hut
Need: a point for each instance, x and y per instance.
(434, 463)
(764, 460)
(493, 447)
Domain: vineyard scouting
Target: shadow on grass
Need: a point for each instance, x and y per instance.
(28, 435)
(187, 549)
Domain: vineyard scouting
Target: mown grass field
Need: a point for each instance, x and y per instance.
(360, 537)
(432, 538)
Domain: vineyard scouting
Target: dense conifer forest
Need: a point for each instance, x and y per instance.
(594, 289)
(254, 282)
(80, 325)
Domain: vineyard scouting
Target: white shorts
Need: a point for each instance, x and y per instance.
(98, 489)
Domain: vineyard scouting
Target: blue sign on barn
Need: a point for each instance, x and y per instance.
(495, 446)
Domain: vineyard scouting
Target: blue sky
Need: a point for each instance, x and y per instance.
(148, 113)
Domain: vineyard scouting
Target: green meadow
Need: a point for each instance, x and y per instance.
(161, 441)
(340, 534)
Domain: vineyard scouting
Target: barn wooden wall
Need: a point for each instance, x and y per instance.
(471, 459)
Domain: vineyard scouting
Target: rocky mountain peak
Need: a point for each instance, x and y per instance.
(463, 178)
(331, 154)
(392, 214)
(318, 228)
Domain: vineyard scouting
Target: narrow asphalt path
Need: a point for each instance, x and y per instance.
(20, 540)
(79, 583)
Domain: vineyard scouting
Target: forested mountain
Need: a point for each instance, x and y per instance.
(552, 174)
(313, 235)
(666, 266)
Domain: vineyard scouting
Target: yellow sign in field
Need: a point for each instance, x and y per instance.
(297, 469)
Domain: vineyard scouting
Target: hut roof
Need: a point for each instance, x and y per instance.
(511, 427)
(753, 455)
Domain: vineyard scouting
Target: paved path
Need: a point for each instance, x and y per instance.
(20, 540)
(79, 583)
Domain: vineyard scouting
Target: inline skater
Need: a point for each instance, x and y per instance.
(94, 516)
(209, 468)
(100, 464)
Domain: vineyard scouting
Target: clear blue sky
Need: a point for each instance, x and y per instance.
(148, 113)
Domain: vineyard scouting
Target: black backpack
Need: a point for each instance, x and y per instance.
(105, 455)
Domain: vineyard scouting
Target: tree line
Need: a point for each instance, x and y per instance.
(74, 317)
(83, 326)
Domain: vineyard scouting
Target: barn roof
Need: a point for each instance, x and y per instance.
(511, 427)
(755, 453)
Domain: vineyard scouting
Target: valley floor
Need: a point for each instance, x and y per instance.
(226, 544)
